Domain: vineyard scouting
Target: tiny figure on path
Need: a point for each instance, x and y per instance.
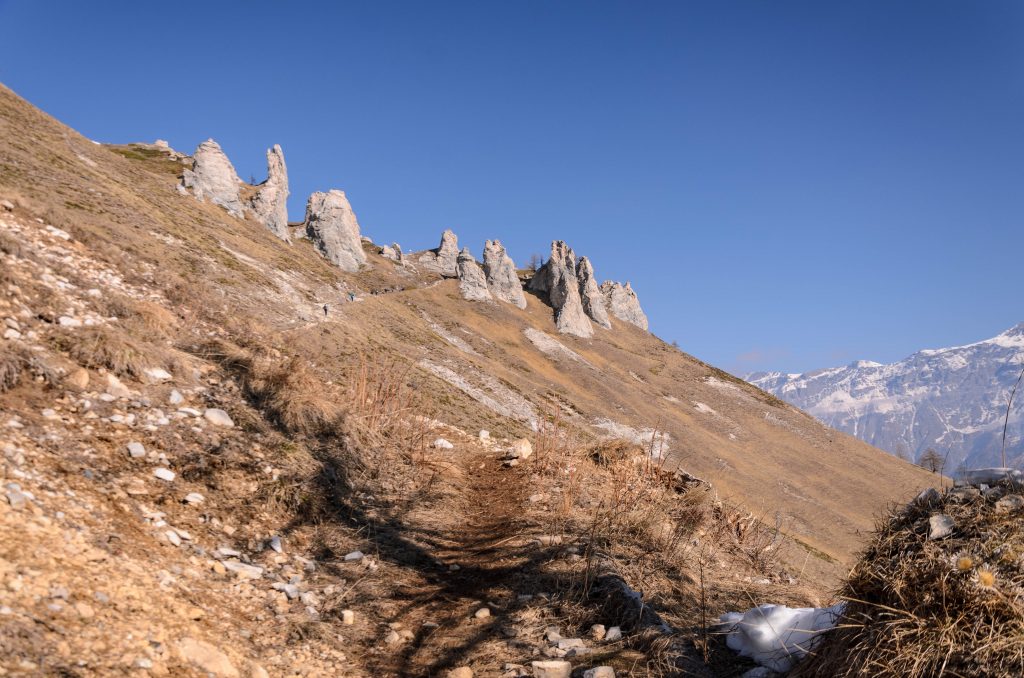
(325, 310)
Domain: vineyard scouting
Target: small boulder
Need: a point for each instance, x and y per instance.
(613, 634)
(939, 526)
(1010, 503)
(78, 379)
(442, 444)
(218, 417)
(599, 672)
(206, 657)
(136, 450)
(551, 669)
(521, 449)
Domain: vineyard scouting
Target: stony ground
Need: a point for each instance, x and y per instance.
(156, 522)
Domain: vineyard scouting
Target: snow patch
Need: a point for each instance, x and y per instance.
(777, 636)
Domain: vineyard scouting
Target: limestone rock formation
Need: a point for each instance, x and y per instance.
(594, 303)
(270, 204)
(393, 252)
(213, 178)
(472, 282)
(500, 271)
(558, 278)
(332, 227)
(623, 303)
(448, 254)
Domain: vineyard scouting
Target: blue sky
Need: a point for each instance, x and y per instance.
(788, 185)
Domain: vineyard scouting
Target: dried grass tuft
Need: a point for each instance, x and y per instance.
(921, 607)
(16, 361)
(113, 349)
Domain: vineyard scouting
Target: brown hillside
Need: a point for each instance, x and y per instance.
(234, 316)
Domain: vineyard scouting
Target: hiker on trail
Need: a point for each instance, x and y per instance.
(351, 296)
(325, 310)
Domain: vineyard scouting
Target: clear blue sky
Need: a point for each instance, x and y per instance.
(788, 185)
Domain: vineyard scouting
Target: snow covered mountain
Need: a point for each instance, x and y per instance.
(951, 399)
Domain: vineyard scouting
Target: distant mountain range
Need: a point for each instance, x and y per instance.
(950, 399)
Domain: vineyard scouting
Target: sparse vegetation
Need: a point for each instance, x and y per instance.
(919, 607)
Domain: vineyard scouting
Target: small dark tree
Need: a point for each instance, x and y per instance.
(931, 460)
(536, 261)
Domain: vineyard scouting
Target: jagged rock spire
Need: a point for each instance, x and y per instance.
(594, 303)
(623, 303)
(558, 278)
(448, 254)
(213, 178)
(332, 227)
(472, 282)
(270, 204)
(500, 271)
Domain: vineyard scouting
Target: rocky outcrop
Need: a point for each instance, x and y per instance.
(558, 278)
(594, 304)
(448, 254)
(500, 272)
(332, 227)
(393, 252)
(472, 282)
(623, 303)
(213, 178)
(270, 204)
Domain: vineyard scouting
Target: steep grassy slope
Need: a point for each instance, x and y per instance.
(237, 314)
(753, 448)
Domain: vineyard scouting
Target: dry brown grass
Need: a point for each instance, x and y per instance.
(138, 314)
(110, 348)
(920, 607)
(17, 361)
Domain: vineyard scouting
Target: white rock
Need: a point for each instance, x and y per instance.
(551, 669)
(270, 204)
(348, 617)
(354, 557)
(448, 254)
(243, 570)
(332, 227)
(613, 634)
(275, 544)
(136, 450)
(68, 321)
(597, 631)
(940, 526)
(472, 282)
(175, 398)
(116, 388)
(521, 449)
(599, 672)
(213, 178)
(443, 444)
(558, 278)
(500, 273)
(623, 303)
(157, 374)
(11, 333)
(485, 435)
(482, 613)
(218, 417)
(173, 537)
(164, 474)
(194, 498)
